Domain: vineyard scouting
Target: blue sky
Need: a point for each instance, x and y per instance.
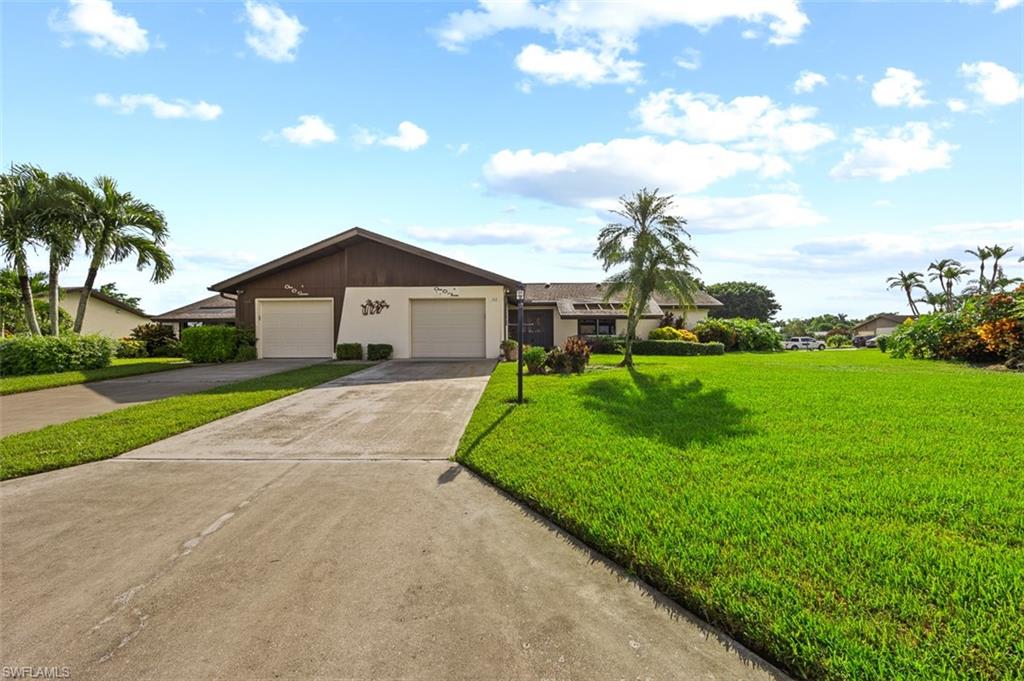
(814, 147)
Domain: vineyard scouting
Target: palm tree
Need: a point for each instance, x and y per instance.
(936, 300)
(115, 225)
(952, 274)
(908, 281)
(937, 268)
(998, 252)
(651, 243)
(22, 197)
(982, 253)
(60, 232)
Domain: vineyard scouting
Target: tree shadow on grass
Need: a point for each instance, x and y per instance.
(671, 409)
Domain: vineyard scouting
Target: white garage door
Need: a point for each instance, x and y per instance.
(295, 328)
(448, 328)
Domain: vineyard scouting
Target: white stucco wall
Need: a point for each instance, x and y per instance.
(394, 324)
(102, 317)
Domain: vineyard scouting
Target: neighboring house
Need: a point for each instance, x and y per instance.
(554, 312)
(212, 311)
(363, 287)
(882, 325)
(103, 315)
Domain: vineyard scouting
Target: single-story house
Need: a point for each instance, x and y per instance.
(103, 315)
(554, 312)
(882, 325)
(363, 287)
(214, 310)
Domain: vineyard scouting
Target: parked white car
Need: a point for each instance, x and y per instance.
(804, 343)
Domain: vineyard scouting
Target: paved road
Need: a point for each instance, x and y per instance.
(29, 411)
(296, 542)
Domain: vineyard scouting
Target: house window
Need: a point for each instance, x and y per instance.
(596, 327)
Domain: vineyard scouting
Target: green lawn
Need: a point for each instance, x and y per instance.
(116, 432)
(848, 515)
(119, 368)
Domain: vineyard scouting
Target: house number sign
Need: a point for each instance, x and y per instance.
(373, 307)
(300, 291)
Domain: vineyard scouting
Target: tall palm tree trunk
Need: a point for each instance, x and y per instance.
(83, 299)
(28, 302)
(627, 358)
(54, 295)
(910, 301)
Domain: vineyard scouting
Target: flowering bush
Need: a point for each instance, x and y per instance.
(838, 340)
(672, 333)
(1004, 337)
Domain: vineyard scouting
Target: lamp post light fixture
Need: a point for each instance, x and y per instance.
(520, 297)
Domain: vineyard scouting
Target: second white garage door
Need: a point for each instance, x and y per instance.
(295, 328)
(448, 328)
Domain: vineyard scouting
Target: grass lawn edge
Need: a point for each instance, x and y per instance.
(104, 436)
(15, 385)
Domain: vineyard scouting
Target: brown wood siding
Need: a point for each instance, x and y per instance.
(364, 264)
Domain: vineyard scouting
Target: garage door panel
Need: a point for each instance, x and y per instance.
(448, 328)
(296, 328)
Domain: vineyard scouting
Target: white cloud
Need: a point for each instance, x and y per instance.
(309, 131)
(458, 149)
(751, 123)
(592, 174)
(616, 24)
(578, 66)
(956, 105)
(900, 87)
(994, 84)
(809, 80)
(1003, 5)
(410, 136)
(906, 149)
(272, 34)
(179, 108)
(107, 30)
(540, 238)
(689, 60)
(760, 211)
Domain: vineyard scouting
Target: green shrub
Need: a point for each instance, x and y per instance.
(349, 351)
(155, 337)
(838, 341)
(921, 338)
(23, 355)
(171, 348)
(209, 344)
(657, 347)
(739, 334)
(664, 333)
(245, 353)
(130, 349)
(378, 351)
(883, 342)
(535, 358)
(557, 362)
(607, 345)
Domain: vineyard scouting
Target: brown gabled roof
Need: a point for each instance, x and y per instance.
(213, 309)
(351, 236)
(106, 299)
(568, 297)
(897, 318)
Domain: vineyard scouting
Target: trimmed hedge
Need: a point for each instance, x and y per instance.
(674, 347)
(349, 351)
(739, 334)
(24, 355)
(606, 345)
(211, 344)
(378, 351)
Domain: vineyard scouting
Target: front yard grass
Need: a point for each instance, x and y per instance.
(119, 368)
(847, 515)
(120, 431)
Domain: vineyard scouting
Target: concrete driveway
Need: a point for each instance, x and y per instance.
(325, 536)
(32, 410)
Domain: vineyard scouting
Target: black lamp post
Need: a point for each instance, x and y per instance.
(520, 296)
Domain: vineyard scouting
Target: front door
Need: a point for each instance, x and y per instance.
(538, 327)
